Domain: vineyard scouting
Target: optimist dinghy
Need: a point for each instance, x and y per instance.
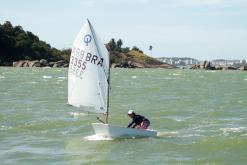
(88, 83)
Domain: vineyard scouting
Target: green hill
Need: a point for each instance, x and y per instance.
(19, 45)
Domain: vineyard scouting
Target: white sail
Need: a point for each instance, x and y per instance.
(88, 72)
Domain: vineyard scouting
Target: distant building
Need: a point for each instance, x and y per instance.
(179, 61)
(224, 62)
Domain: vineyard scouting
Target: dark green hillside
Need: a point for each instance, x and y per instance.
(17, 44)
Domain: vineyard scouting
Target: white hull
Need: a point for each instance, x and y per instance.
(109, 131)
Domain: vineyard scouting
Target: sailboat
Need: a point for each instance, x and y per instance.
(89, 80)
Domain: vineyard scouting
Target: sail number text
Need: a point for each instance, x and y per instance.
(80, 59)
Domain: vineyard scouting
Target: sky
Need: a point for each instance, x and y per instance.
(201, 29)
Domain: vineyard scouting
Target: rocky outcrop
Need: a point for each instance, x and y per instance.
(60, 64)
(131, 64)
(207, 65)
(41, 63)
(243, 68)
(204, 65)
(229, 68)
(136, 59)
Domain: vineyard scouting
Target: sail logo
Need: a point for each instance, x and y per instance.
(87, 39)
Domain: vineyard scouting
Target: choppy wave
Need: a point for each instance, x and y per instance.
(133, 77)
(47, 77)
(167, 133)
(229, 130)
(197, 115)
(62, 77)
(2, 77)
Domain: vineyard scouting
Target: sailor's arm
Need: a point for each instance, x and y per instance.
(130, 124)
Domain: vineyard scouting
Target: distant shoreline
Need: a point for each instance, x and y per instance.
(64, 64)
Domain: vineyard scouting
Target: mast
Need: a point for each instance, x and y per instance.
(108, 94)
(107, 75)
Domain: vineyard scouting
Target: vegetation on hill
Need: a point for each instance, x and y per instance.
(126, 57)
(17, 44)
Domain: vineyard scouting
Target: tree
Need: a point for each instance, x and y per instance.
(17, 44)
(119, 45)
(112, 45)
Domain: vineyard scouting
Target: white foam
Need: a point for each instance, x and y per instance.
(245, 79)
(4, 128)
(77, 114)
(33, 82)
(2, 77)
(232, 130)
(96, 138)
(62, 77)
(166, 133)
(176, 74)
(133, 77)
(47, 76)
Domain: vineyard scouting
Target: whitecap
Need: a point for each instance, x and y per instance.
(211, 71)
(96, 138)
(62, 77)
(133, 77)
(166, 133)
(176, 74)
(240, 101)
(2, 77)
(169, 78)
(226, 131)
(47, 76)
(33, 82)
(245, 79)
(5, 128)
(191, 135)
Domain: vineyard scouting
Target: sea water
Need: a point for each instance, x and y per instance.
(201, 117)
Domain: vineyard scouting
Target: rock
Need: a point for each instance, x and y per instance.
(15, 64)
(34, 63)
(61, 63)
(194, 67)
(207, 65)
(243, 68)
(19, 63)
(43, 62)
(202, 65)
(218, 67)
(136, 65)
(51, 64)
(66, 65)
(229, 68)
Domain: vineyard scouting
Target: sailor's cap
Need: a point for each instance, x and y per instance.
(130, 112)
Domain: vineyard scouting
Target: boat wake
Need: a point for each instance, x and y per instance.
(77, 114)
(166, 133)
(96, 138)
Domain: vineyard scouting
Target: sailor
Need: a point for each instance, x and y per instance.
(138, 121)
